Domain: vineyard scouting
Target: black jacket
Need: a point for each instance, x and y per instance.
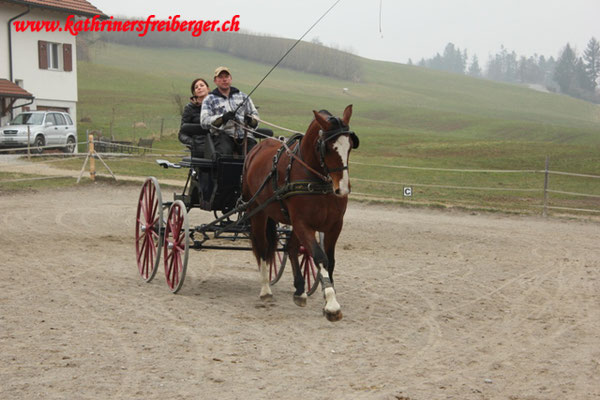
(191, 114)
(194, 138)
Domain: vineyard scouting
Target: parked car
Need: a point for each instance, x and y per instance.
(46, 128)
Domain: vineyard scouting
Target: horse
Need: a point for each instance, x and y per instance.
(305, 184)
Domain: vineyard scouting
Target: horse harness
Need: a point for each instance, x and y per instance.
(289, 188)
(323, 186)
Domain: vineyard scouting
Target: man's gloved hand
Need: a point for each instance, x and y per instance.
(228, 116)
(250, 121)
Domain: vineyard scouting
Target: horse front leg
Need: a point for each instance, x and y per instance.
(332, 309)
(293, 250)
(330, 239)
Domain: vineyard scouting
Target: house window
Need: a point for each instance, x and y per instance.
(53, 52)
(55, 56)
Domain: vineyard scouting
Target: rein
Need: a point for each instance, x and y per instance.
(289, 151)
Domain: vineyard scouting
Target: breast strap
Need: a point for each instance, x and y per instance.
(295, 188)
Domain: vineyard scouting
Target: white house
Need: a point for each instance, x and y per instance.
(38, 69)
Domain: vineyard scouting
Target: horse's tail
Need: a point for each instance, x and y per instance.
(271, 240)
(264, 243)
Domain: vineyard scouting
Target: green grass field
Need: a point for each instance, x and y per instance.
(404, 116)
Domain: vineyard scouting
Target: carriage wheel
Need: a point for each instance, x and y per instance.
(277, 266)
(308, 268)
(177, 235)
(148, 228)
(309, 271)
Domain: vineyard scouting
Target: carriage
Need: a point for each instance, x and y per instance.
(213, 185)
(288, 198)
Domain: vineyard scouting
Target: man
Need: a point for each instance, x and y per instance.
(220, 111)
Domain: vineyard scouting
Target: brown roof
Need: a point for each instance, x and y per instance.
(9, 89)
(78, 7)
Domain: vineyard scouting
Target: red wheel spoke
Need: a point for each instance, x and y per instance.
(151, 194)
(168, 254)
(177, 268)
(139, 257)
(146, 203)
(145, 265)
(170, 267)
(150, 260)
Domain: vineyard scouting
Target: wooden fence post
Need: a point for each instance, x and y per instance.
(545, 210)
(162, 123)
(92, 158)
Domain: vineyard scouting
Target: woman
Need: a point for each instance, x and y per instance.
(194, 136)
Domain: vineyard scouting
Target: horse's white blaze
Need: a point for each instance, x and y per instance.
(342, 146)
(265, 289)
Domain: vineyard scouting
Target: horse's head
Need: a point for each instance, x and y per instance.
(333, 147)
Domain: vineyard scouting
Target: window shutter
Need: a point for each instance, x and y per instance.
(43, 54)
(67, 57)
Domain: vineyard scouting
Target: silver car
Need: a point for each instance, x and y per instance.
(46, 128)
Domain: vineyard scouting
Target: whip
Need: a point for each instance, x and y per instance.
(286, 53)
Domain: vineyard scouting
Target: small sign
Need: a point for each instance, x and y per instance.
(408, 191)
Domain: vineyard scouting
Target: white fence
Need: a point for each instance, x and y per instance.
(543, 190)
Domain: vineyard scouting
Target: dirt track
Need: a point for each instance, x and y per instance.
(437, 305)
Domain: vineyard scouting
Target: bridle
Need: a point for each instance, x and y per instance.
(333, 134)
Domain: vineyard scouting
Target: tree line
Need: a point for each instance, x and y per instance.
(572, 74)
(307, 57)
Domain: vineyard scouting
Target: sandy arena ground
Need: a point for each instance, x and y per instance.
(437, 305)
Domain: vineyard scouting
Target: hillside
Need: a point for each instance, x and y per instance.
(404, 114)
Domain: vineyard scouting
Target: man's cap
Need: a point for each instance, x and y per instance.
(221, 69)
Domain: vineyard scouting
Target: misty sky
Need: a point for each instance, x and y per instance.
(409, 29)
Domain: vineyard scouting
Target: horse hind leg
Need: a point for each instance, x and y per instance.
(265, 288)
(261, 236)
(293, 248)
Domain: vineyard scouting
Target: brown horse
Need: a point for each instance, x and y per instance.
(304, 184)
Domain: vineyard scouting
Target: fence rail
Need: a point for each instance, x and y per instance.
(543, 189)
(587, 204)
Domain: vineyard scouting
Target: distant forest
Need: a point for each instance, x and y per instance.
(572, 74)
(307, 57)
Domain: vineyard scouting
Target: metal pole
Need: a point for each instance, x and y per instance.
(28, 142)
(545, 210)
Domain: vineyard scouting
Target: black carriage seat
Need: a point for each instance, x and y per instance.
(215, 182)
(193, 162)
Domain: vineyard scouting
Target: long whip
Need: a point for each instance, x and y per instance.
(285, 55)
